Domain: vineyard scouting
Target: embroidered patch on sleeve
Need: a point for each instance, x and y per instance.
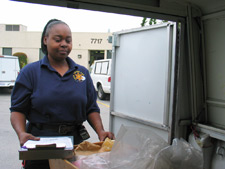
(78, 76)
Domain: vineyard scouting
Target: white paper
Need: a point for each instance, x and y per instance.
(61, 142)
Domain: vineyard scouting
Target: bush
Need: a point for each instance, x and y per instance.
(22, 59)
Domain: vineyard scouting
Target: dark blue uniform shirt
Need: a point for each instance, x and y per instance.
(44, 96)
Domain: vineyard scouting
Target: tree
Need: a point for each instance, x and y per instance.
(151, 21)
(22, 59)
(144, 21)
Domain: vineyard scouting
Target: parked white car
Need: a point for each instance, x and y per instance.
(101, 75)
(9, 70)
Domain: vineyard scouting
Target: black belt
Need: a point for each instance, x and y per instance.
(60, 128)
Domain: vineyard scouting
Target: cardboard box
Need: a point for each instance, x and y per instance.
(63, 163)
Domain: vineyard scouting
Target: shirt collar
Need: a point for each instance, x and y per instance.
(71, 63)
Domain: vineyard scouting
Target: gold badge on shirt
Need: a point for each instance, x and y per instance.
(78, 76)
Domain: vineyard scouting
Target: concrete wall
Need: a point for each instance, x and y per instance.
(30, 44)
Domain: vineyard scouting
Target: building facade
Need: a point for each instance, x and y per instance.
(87, 46)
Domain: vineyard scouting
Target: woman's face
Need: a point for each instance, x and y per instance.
(58, 42)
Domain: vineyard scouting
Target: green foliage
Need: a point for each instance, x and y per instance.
(144, 21)
(22, 59)
(151, 21)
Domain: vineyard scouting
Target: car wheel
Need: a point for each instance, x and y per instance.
(101, 93)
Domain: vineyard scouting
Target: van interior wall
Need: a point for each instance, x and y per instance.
(210, 101)
(182, 110)
(189, 81)
(197, 61)
(196, 74)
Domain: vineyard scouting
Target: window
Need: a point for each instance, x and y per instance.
(7, 51)
(12, 28)
(98, 67)
(109, 54)
(104, 67)
(101, 67)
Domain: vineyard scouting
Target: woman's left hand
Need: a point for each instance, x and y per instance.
(95, 121)
(104, 134)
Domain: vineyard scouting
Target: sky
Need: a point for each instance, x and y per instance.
(35, 16)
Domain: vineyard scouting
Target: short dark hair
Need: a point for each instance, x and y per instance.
(45, 32)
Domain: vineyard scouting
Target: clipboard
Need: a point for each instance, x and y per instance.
(47, 148)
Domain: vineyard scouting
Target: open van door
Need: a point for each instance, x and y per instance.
(143, 78)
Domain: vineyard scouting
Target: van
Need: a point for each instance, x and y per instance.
(101, 75)
(9, 70)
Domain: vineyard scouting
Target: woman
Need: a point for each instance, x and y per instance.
(55, 95)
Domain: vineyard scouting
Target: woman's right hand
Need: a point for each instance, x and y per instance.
(18, 121)
(23, 137)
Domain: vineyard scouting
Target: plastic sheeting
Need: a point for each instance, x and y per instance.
(138, 148)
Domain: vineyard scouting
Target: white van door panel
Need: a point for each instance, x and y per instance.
(142, 81)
